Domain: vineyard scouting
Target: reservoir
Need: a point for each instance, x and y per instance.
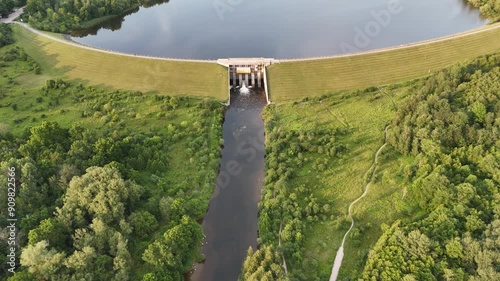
(212, 29)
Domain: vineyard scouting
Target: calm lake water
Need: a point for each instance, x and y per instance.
(230, 224)
(278, 28)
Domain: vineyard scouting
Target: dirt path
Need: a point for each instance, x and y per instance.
(340, 252)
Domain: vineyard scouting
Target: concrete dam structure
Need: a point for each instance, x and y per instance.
(247, 72)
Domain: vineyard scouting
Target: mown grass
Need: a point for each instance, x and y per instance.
(365, 113)
(122, 72)
(293, 80)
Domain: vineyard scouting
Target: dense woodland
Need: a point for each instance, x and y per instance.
(451, 125)
(119, 194)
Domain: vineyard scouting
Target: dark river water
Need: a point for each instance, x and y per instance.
(230, 225)
(211, 29)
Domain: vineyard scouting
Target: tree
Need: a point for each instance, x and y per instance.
(41, 261)
(176, 248)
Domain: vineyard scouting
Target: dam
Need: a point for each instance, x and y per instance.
(247, 72)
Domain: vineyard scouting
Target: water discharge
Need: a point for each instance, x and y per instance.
(244, 90)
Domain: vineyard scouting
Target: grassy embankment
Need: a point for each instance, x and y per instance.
(292, 80)
(122, 72)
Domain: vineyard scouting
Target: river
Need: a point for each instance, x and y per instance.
(212, 29)
(230, 224)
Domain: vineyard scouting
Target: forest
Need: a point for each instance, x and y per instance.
(64, 15)
(451, 127)
(110, 185)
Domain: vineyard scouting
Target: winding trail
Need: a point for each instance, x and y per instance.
(340, 252)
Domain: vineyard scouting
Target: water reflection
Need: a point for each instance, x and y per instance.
(279, 28)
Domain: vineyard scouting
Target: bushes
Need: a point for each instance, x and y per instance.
(6, 35)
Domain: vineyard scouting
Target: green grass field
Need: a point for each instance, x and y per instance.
(292, 80)
(122, 72)
(366, 114)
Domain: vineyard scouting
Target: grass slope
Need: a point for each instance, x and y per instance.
(121, 72)
(292, 80)
(365, 113)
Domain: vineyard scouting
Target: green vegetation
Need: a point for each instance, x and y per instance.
(263, 265)
(318, 152)
(64, 15)
(450, 125)
(489, 8)
(173, 78)
(442, 151)
(6, 6)
(6, 35)
(294, 80)
(106, 179)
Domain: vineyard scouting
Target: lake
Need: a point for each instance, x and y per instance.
(212, 29)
